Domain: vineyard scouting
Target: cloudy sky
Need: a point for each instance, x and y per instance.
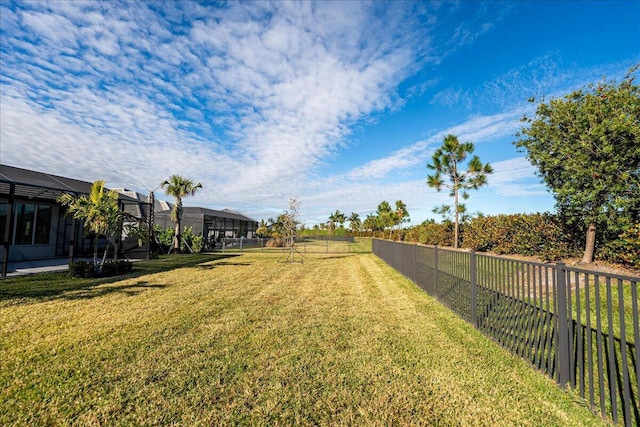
(340, 104)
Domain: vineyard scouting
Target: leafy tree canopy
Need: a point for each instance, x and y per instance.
(354, 221)
(99, 211)
(586, 147)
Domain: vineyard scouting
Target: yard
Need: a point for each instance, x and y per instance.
(341, 339)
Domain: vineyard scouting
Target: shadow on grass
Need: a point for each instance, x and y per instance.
(47, 286)
(223, 263)
(129, 289)
(337, 256)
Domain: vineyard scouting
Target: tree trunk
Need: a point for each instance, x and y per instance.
(455, 233)
(589, 247)
(176, 237)
(95, 252)
(104, 256)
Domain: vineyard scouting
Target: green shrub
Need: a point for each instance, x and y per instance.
(140, 233)
(548, 236)
(340, 231)
(625, 249)
(116, 268)
(165, 237)
(436, 234)
(193, 241)
(197, 244)
(525, 234)
(83, 269)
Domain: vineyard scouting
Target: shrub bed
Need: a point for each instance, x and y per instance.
(85, 269)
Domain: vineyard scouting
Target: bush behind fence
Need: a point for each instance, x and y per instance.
(579, 327)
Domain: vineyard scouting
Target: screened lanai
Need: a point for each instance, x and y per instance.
(33, 225)
(211, 224)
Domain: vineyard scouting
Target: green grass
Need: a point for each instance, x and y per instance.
(224, 340)
(317, 246)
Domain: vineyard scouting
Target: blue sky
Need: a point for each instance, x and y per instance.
(340, 104)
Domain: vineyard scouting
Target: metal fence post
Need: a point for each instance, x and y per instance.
(562, 325)
(473, 278)
(415, 262)
(435, 272)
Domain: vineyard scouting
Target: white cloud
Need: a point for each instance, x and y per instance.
(399, 160)
(480, 129)
(516, 178)
(55, 28)
(248, 105)
(450, 97)
(512, 170)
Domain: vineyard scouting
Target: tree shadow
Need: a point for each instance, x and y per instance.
(209, 266)
(336, 256)
(131, 289)
(49, 286)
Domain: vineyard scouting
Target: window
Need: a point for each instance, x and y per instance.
(25, 217)
(4, 210)
(43, 225)
(33, 223)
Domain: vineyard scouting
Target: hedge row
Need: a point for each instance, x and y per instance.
(534, 235)
(542, 234)
(625, 249)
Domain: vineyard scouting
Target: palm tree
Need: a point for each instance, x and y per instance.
(99, 212)
(275, 227)
(263, 229)
(370, 222)
(178, 187)
(337, 217)
(354, 222)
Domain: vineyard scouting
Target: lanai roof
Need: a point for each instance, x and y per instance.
(224, 213)
(31, 184)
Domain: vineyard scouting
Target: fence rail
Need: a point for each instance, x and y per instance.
(579, 327)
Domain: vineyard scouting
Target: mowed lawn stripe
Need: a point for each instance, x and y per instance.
(248, 340)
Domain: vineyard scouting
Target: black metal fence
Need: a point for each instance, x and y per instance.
(580, 327)
(309, 244)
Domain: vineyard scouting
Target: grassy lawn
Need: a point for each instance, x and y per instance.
(244, 339)
(316, 246)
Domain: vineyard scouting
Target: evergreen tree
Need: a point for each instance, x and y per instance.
(446, 162)
(586, 147)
